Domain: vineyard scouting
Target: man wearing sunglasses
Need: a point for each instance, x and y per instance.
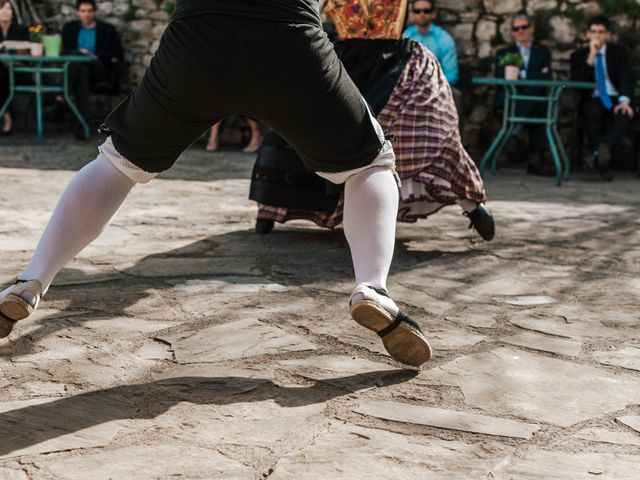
(537, 66)
(607, 109)
(434, 37)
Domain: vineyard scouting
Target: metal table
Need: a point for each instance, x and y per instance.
(554, 89)
(37, 67)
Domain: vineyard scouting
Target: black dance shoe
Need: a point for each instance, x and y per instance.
(482, 221)
(264, 226)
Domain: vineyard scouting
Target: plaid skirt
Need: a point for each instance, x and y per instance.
(434, 167)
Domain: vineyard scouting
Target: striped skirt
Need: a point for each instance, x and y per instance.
(434, 167)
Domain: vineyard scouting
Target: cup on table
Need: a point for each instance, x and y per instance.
(36, 49)
(52, 45)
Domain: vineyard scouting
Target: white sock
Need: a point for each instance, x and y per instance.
(85, 208)
(370, 211)
(467, 205)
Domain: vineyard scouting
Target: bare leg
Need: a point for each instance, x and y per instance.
(7, 123)
(212, 144)
(256, 137)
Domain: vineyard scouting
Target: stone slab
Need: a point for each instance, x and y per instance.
(558, 465)
(353, 373)
(580, 323)
(240, 339)
(526, 300)
(447, 419)
(477, 316)
(146, 461)
(626, 357)
(631, 421)
(505, 381)
(227, 420)
(122, 326)
(230, 284)
(602, 435)
(155, 350)
(545, 343)
(56, 424)
(187, 266)
(11, 474)
(353, 452)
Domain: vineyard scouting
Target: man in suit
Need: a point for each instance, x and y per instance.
(537, 66)
(607, 109)
(96, 39)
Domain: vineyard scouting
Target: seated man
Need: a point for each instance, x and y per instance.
(607, 109)
(435, 38)
(537, 66)
(97, 39)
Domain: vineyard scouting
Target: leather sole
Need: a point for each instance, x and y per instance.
(12, 309)
(404, 343)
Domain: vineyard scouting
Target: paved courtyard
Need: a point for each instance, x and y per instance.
(183, 345)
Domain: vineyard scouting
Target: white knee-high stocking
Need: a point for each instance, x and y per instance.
(85, 208)
(370, 211)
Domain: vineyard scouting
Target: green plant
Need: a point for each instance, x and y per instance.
(169, 7)
(630, 38)
(512, 59)
(35, 33)
(630, 8)
(130, 14)
(576, 16)
(542, 24)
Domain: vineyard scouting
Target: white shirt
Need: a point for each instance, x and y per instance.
(525, 53)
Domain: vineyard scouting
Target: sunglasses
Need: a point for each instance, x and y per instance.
(520, 28)
(418, 11)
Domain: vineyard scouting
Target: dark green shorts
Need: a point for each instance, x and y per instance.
(209, 67)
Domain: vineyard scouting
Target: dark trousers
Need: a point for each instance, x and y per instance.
(602, 125)
(537, 138)
(81, 77)
(537, 133)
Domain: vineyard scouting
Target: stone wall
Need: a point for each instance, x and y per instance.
(480, 27)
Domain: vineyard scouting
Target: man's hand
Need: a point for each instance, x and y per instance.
(624, 108)
(86, 52)
(594, 48)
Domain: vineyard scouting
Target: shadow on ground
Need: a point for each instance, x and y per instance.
(35, 424)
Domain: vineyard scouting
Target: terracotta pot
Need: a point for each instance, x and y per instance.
(511, 72)
(37, 49)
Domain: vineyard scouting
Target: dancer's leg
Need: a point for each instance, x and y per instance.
(467, 205)
(85, 208)
(212, 143)
(256, 137)
(370, 210)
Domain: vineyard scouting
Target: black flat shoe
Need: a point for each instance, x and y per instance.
(264, 226)
(604, 162)
(482, 221)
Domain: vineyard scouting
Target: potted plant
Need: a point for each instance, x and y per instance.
(512, 63)
(35, 37)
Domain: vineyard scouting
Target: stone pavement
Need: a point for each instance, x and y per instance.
(183, 345)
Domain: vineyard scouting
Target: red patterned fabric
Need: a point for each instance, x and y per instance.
(434, 167)
(372, 19)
